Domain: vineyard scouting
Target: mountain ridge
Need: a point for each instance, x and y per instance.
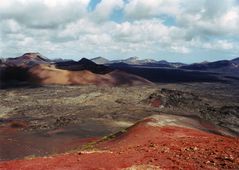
(34, 68)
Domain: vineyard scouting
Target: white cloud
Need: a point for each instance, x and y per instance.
(230, 21)
(11, 26)
(210, 18)
(66, 26)
(43, 14)
(140, 31)
(56, 3)
(105, 8)
(138, 9)
(82, 26)
(220, 44)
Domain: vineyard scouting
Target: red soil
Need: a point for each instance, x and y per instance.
(164, 147)
(156, 103)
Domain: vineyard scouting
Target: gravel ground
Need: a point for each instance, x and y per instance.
(91, 111)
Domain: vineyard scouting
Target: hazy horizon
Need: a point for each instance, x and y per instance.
(172, 30)
(76, 58)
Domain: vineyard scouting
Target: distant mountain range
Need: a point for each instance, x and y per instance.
(34, 68)
(38, 68)
(96, 64)
(222, 66)
(83, 64)
(217, 66)
(131, 60)
(137, 61)
(100, 60)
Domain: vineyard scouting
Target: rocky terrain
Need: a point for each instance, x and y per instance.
(74, 113)
(158, 142)
(184, 120)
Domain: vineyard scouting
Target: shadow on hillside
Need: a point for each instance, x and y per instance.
(167, 75)
(16, 77)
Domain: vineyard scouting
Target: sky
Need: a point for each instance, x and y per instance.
(174, 30)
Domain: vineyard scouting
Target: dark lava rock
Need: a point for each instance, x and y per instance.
(173, 98)
(83, 64)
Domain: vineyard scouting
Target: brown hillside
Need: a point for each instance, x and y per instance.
(48, 74)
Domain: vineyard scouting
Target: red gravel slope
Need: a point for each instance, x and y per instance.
(155, 143)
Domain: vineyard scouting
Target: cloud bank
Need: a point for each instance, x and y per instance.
(173, 29)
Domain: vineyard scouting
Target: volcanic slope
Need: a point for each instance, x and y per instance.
(157, 142)
(33, 68)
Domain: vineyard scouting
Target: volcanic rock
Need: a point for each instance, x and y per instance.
(158, 142)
